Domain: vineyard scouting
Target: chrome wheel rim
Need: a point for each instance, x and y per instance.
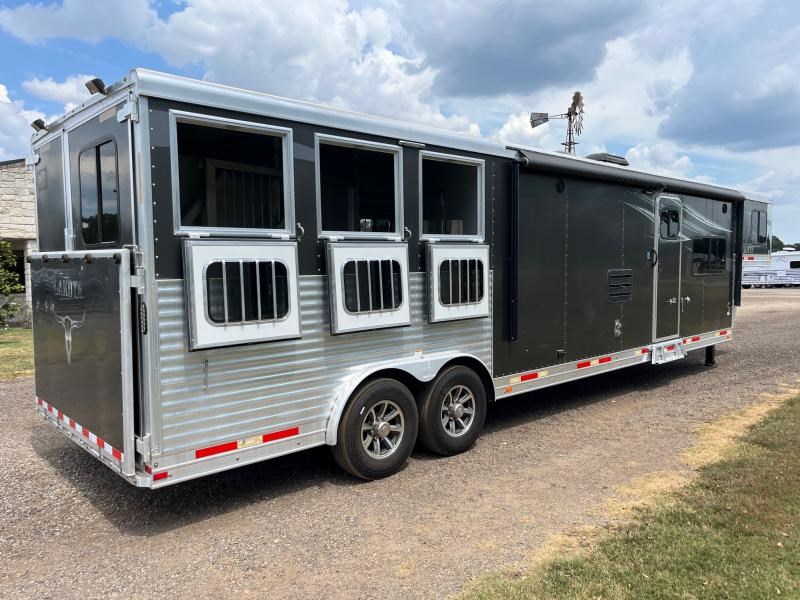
(458, 410)
(382, 429)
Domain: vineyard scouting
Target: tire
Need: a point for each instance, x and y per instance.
(385, 448)
(745, 286)
(443, 427)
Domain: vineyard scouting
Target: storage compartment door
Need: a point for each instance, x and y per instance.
(83, 347)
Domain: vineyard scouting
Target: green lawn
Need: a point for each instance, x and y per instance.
(16, 353)
(733, 533)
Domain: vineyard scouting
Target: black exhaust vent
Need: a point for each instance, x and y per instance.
(614, 159)
(620, 285)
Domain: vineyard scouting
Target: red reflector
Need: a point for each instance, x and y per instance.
(159, 476)
(605, 359)
(60, 415)
(583, 365)
(85, 432)
(39, 401)
(72, 423)
(751, 258)
(219, 449)
(279, 435)
(696, 338)
(645, 350)
(529, 376)
(724, 332)
(101, 442)
(670, 348)
(148, 469)
(116, 453)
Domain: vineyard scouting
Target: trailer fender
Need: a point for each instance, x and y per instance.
(422, 367)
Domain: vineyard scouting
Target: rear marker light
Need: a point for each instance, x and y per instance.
(605, 359)
(160, 476)
(696, 338)
(670, 348)
(583, 365)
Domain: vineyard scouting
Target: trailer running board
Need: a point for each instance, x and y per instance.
(667, 352)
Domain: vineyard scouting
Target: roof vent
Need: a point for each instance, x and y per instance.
(609, 158)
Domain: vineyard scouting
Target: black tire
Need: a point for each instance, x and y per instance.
(452, 438)
(364, 408)
(745, 286)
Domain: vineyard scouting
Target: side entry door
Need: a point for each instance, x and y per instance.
(667, 272)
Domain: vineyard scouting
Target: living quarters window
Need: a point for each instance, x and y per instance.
(708, 255)
(246, 291)
(97, 169)
(461, 281)
(670, 220)
(451, 192)
(795, 264)
(372, 285)
(358, 187)
(233, 176)
(758, 227)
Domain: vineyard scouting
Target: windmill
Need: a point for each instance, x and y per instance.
(574, 117)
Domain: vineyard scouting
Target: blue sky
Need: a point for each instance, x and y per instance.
(708, 91)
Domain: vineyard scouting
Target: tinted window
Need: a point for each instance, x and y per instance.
(372, 285)
(449, 198)
(460, 281)
(708, 255)
(758, 227)
(795, 264)
(246, 291)
(357, 189)
(670, 223)
(230, 178)
(97, 168)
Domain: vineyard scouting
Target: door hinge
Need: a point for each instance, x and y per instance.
(32, 159)
(137, 280)
(143, 446)
(129, 110)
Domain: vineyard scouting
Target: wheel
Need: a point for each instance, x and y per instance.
(453, 411)
(745, 286)
(377, 431)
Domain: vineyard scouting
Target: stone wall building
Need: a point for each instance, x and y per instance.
(18, 215)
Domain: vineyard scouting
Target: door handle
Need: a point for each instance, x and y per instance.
(672, 301)
(652, 257)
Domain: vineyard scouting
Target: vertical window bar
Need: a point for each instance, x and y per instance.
(258, 287)
(274, 293)
(391, 280)
(369, 284)
(380, 283)
(358, 288)
(459, 281)
(241, 288)
(450, 275)
(469, 264)
(225, 289)
(477, 283)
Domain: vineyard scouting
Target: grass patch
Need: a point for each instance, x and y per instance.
(734, 532)
(16, 353)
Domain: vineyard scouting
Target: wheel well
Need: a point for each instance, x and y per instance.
(479, 368)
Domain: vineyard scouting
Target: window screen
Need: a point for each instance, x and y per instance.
(372, 285)
(97, 169)
(246, 291)
(708, 255)
(670, 223)
(460, 281)
(357, 189)
(230, 178)
(449, 198)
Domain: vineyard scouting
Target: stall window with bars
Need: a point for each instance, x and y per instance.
(246, 291)
(372, 285)
(460, 281)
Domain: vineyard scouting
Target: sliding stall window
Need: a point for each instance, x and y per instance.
(99, 184)
(233, 177)
(358, 188)
(451, 196)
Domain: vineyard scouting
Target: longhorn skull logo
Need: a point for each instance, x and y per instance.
(69, 324)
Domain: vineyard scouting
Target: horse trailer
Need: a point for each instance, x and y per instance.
(224, 277)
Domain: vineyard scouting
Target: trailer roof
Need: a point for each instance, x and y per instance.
(183, 89)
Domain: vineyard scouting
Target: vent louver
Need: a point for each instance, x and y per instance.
(620, 285)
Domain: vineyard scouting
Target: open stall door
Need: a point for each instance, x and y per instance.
(82, 331)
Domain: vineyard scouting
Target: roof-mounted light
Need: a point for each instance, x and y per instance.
(96, 86)
(39, 125)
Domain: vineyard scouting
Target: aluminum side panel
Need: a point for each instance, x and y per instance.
(255, 389)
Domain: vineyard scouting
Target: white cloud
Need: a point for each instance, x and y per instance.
(70, 92)
(86, 20)
(15, 129)
(660, 158)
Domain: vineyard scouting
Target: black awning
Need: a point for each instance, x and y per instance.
(531, 160)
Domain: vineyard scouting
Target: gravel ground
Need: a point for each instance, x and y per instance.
(298, 527)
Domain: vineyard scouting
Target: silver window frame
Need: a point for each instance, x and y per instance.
(480, 200)
(287, 143)
(335, 140)
(372, 311)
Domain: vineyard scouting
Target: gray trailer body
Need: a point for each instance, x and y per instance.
(156, 350)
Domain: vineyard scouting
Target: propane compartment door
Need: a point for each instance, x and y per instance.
(83, 347)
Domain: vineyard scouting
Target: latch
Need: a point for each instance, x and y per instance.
(143, 446)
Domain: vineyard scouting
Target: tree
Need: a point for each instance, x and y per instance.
(777, 243)
(9, 284)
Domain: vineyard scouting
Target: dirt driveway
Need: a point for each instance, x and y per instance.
(297, 527)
